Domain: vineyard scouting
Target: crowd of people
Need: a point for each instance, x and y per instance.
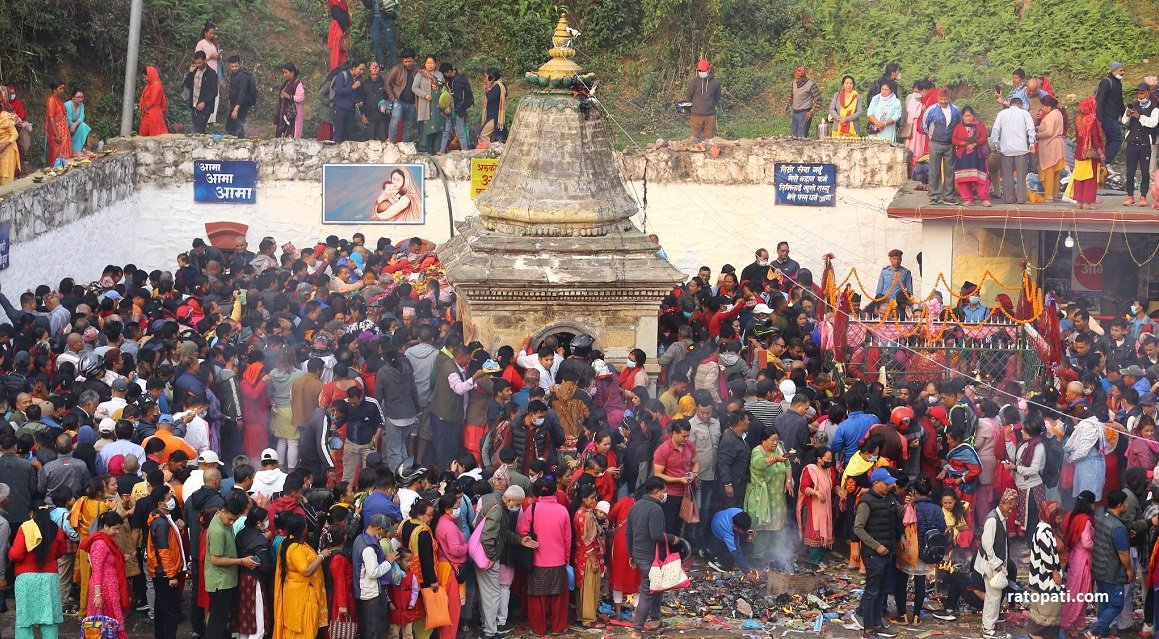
(283, 444)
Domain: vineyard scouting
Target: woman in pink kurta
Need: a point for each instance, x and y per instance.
(1079, 532)
(451, 553)
(108, 589)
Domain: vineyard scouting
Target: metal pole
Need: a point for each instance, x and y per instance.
(131, 67)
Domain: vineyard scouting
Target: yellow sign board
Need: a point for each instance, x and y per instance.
(482, 172)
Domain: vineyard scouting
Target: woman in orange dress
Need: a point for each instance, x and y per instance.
(153, 105)
(56, 134)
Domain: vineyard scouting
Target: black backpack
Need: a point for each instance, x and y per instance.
(1055, 458)
(933, 546)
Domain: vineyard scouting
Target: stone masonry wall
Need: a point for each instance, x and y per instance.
(35, 209)
(860, 163)
(168, 159)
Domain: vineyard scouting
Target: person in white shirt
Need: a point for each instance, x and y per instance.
(197, 429)
(205, 460)
(117, 403)
(545, 360)
(371, 565)
(1013, 136)
(269, 480)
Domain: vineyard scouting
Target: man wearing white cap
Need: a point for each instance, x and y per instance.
(269, 480)
(206, 460)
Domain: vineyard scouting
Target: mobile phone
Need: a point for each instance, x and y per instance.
(997, 88)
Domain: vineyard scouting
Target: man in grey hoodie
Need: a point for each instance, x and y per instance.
(422, 362)
(704, 94)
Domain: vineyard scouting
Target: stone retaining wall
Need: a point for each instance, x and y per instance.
(169, 158)
(34, 209)
(860, 163)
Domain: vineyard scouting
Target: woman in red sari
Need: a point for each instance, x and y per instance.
(255, 407)
(601, 444)
(1089, 154)
(56, 134)
(623, 579)
(339, 27)
(152, 105)
(590, 524)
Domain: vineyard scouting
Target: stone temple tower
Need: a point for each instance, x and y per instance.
(553, 249)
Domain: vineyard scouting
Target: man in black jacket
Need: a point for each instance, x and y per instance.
(463, 99)
(200, 86)
(732, 460)
(1109, 108)
(243, 95)
(645, 534)
(878, 528)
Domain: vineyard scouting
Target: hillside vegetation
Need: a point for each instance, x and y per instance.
(642, 49)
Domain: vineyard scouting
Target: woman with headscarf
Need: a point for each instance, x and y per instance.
(255, 406)
(1079, 532)
(1085, 449)
(1046, 574)
(923, 97)
(338, 36)
(686, 407)
(74, 110)
(971, 148)
(607, 395)
(9, 150)
(1027, 465)
(1089, 153)
(815, 505)
(845, 110)
(290, 115)
(36, 546)
(962, 469)
(108, 591)
(152, 105)
(400, 200)
(57, 137)
(884, 112)
(1051, 135)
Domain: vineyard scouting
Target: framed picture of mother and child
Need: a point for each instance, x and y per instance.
(373, 194)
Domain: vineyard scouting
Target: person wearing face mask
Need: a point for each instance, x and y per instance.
(497, 514)
(1109, 108)
(758, 270)
(815, 505)
(703, 94)
(254, 585)
(1141, 118)
(646, 536)
(973, 311)
(634, 374)
(372, 575)
(165, 557)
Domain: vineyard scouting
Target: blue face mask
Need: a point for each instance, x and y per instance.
(873, 459)
(687, 314)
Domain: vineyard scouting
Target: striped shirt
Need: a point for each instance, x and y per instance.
(764, 410)
(1044, 560)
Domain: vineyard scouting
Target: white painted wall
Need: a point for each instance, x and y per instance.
(713, 225)
(696, 223)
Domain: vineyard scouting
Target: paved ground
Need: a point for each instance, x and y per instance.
(710, 609)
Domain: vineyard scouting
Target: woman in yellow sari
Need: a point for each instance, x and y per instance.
(854, 482)
(845, 110)
(100, 497)
(299, 584)
(9, 152)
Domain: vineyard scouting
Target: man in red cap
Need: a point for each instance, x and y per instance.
(704, 94)
(804, 100)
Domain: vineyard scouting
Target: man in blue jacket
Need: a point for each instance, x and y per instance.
(347, 92)
(939, 123)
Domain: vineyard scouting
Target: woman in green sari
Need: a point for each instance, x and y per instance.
(765, 499)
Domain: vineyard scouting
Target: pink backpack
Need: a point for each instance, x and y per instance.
(475, 544)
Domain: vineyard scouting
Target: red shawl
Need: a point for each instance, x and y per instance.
(1087, 130)
(1074, 528)
(118, 559)
(627, 378)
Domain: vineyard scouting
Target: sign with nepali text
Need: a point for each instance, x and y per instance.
(806, 184)
(5, 244)
(225, 181)
(482, 172)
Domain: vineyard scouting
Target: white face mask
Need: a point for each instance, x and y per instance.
(538, 421)
(762, 262)
(664, 498)
(702, 74)
(974, 299)
(513, 509)
(455, 512)
(170, 505)
(630, 364)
